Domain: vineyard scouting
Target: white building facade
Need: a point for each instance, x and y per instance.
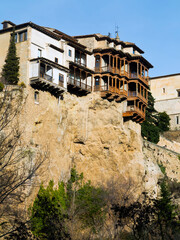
(53, 61)
(166, 91)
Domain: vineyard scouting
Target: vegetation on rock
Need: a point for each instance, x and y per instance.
(77, 210)
(155, 122)
(1, 86)
(18, 165)
(60, 213)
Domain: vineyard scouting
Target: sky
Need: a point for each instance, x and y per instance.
(153, 25)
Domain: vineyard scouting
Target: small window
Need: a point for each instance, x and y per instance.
(15, 37)
(61, 80)
(39, 53)
(70, 53)
(22, 36)
(133, 51)
(56, 60)
(178, 93)
(25, 35)
(177, 119)
(97, 82)
(164, 90)
(61, 77)
(36, 97)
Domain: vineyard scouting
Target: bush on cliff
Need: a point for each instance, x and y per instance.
(155, 122)
(60, 213)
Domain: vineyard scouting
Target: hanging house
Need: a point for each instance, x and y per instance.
(55, 62)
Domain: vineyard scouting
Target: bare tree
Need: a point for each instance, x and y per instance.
(18, 165)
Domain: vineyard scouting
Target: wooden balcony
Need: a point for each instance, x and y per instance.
(109, 69)
(79, 62)
(45, 83)
(138, 76)
(111, 93)
(122, 73)
(134, 94)
(78, 84)
(135, 113)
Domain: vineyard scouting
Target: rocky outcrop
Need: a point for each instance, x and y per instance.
(89, 132)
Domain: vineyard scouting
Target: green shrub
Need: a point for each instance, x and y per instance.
(1, 86)
(56, 211)
(10, 70)
(163, 169)
(155, 122)
(22, 84)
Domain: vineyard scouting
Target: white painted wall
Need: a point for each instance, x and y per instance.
(118, 47)
(128, 49)
(111, 44)
(90, 61)
(167, 101)
(42, 41)
(67, 58)
(33, 69)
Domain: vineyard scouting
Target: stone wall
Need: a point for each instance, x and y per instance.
(156, 156)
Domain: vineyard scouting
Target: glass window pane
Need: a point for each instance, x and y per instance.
(20, 37)
(25, 35)
(15, 37)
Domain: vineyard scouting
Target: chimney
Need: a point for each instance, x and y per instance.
(8, 24)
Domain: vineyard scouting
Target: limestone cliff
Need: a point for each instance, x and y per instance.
(89, 132)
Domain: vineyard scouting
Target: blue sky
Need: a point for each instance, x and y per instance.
(153, 25)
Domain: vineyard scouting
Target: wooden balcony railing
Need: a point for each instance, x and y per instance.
(136, 94)
(100, 88)
(110, 89)
(133, 108)
(141, 77)
(79, 84)
(78, 61)
(121, 72)
(46, 76)
(111, 70)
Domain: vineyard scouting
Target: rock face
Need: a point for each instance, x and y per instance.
(89, 132)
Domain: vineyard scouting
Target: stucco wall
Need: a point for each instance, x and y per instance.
(164, 90)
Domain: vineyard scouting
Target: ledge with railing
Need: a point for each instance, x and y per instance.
(136, 94)
(110, 89)
(46, 76)
(79, 61)
(78, 83)
(45, 83)
(133, 108)
(135, 75)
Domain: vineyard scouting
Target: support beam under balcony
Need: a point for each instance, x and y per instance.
(45, 85)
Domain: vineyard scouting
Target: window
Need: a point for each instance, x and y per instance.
(178, 92)
(61, 80)
(36, 97)
(22, 36)
(133, 51)
(97, 61)
(164, 90)
(15, 37)
(39, 53)
(70, 53)
(97, 82)
(177, 119)
(56, 60)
